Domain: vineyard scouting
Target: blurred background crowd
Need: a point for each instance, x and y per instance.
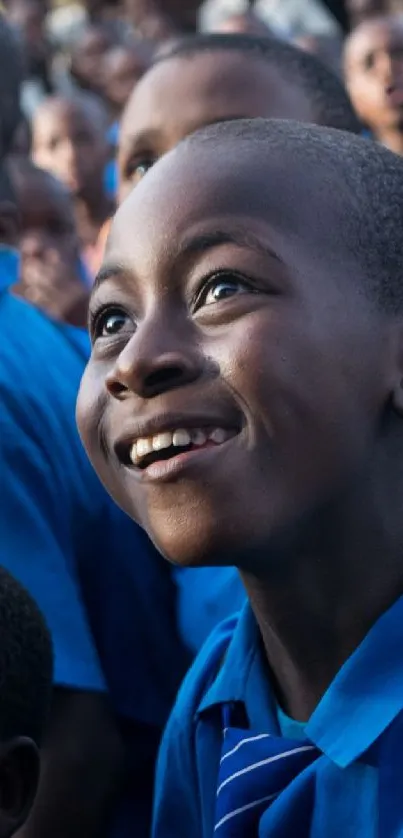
(107, 88)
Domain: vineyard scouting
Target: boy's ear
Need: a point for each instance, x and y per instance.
(9, 224)
(19, 777)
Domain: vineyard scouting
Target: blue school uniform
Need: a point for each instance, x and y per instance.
(108, 597)
(232, 764)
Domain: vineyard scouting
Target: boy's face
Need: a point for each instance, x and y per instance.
(47, 221)
(180, 95)
(123, 69)
(234, 385)
(374, 73)
(72, 146)
(361, 10)
(88, 57)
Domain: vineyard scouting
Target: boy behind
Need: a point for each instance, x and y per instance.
(244, 403)
(373, 66)
(221, 77)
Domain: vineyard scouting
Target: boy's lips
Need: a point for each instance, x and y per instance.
(162, 446)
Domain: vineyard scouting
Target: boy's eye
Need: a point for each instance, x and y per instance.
(221, 287)
(109, 322)
(136, 171)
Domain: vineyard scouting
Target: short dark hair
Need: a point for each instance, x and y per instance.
(367, 198)
(11, 74)
(26, 663)
(329, 99)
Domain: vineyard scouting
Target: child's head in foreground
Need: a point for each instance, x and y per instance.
(212, 78)
(25, 695)
(69, 140)
(373, 65)
(246, 377)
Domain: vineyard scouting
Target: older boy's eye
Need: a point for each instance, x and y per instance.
(220, 288)
(137, 170)
(109, 322)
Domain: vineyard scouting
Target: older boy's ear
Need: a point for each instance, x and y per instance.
(19, 777)
(9, 223)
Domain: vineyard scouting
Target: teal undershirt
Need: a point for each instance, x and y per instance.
(289, 728)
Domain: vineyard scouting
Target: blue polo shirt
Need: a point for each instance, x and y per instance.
(357, 727)
(109, 598)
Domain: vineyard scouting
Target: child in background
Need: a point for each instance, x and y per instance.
(373, 66)
(51, 271)
(88, 54)
(26, 664)
(244, 403)
(69, 140)
(28, 18)
(123, 67)
(216, 77)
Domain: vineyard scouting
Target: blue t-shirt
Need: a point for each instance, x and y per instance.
(357, 728)
(109, 598)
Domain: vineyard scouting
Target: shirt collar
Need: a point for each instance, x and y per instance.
(242, 676)
(361, 702)
(366, 695)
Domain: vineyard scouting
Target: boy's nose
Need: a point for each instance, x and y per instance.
(150, 370)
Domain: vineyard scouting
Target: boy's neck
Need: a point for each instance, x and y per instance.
(315, 610)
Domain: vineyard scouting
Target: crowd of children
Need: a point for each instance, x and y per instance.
(200, 220)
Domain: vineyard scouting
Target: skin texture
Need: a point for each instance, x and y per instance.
(373, 64)
(181, 95)
(220, 300)
(49, 245)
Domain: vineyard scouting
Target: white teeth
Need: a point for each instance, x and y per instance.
(199, 437)
(144, 446)
(180, 438)
(218, 436)
(163, 440)
(133, 455)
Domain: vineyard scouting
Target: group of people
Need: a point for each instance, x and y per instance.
(201, 388)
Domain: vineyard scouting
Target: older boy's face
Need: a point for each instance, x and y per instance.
(180, 95)
(374, 73)
(234, 384)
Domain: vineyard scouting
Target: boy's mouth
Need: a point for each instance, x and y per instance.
(168, 444)
(163, 445)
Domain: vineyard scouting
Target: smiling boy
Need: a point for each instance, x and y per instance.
(244, 403)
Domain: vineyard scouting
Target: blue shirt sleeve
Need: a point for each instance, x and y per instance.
(35, 535)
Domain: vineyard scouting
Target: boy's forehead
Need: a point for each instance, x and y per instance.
(201, 184)
(379, 33)
(193, 91)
